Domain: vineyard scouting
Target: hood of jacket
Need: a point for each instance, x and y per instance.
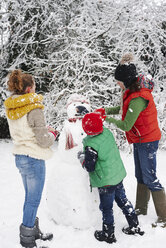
(146, 81)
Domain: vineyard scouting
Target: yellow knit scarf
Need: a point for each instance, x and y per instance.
(18, 106)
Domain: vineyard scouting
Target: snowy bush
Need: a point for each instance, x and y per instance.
(74, 47)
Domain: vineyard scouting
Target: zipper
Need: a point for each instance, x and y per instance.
(139, 135)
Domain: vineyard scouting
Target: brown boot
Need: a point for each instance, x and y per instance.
(142, 199)
(159, 199)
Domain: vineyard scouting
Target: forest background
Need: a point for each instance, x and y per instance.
(74, 46)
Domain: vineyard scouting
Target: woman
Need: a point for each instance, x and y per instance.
(139, 121)
(24, 110)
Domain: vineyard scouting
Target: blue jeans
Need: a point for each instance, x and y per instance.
(107, 196)
(145, 164)
(33, 176)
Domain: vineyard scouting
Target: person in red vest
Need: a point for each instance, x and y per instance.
(139, 121)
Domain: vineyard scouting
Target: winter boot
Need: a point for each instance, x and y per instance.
(39, 234)
(142, 199)
(107, 234)
(27, 236)
(159, 199)
(133, 227)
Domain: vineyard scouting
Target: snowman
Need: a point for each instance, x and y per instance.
(69, 197)
(72, 134)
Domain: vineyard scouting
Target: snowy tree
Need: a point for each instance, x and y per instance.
(74, 47)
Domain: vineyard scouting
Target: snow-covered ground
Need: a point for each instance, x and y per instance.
(12, 197)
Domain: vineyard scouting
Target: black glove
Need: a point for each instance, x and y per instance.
(91, 156)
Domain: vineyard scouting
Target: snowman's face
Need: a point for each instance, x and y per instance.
(72, 109)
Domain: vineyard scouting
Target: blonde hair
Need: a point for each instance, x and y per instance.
(19, 81)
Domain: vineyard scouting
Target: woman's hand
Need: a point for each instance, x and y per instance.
(54, 132)
(101, 111)
(50, 129)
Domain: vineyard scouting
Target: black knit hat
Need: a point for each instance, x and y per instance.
(126, 71)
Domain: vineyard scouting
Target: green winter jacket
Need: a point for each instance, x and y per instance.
(109, 169)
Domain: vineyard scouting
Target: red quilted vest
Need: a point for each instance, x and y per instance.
(146, 127)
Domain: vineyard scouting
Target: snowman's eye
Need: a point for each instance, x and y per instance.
(82, 134)
(82, 102)
(74, 105)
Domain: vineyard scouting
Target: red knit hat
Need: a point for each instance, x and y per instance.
(92, 124)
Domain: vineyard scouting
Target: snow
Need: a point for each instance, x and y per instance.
(12, 197)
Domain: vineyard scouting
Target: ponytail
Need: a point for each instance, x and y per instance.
(18, 82)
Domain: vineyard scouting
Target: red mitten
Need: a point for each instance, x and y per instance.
(101, 111)
(104, 117)
(55, 133)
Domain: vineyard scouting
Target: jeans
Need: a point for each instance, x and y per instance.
(107, 196)
(33, 176)
(145, 164)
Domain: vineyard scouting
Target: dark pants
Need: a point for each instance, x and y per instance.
(117, 193)
(145, 164)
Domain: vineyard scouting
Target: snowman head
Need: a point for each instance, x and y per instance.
(77, 105)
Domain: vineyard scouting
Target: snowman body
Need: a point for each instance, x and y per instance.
(69, 196)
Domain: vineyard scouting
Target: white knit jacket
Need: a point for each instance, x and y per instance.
(29, 137)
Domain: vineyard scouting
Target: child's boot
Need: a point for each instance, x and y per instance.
(142, 199)
(133, 227)
(39, 234)
(107, 234)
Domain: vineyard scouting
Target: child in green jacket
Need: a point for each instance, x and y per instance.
(102, 160)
